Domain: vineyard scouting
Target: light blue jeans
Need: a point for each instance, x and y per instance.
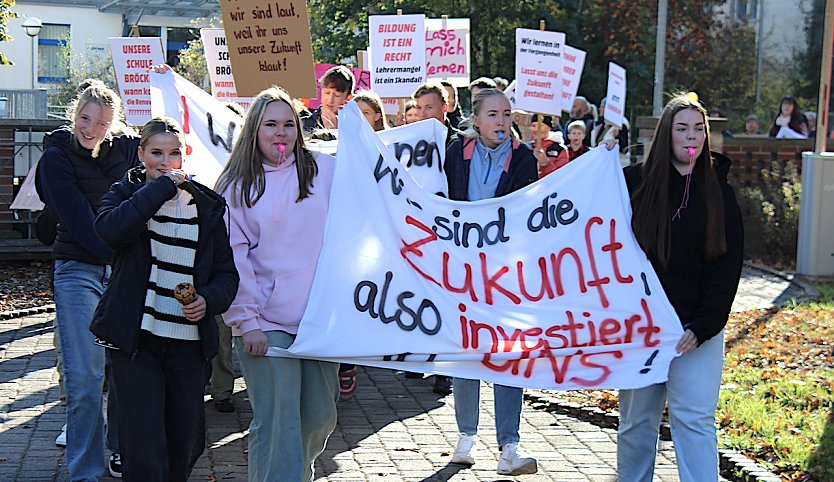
(507, 409)
(78, 288)
(692, 393)
(293, 411)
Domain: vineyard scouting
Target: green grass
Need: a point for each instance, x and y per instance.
(777, 397)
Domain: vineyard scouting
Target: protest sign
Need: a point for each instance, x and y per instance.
(510, 93)
(397, 53)
(545, 287)
(616, 96)
(132, 58)
(269, 44)
(210, 128)
(220, 67)
(538, 70)
(447, 50)
(573, 63)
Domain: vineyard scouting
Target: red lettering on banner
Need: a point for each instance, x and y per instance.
(186, 126)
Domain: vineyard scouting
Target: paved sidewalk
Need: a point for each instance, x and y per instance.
(395, 428)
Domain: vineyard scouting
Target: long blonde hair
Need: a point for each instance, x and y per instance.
(477, 102)
(245, 171)
(95, 92)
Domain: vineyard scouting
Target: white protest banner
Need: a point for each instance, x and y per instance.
(397, 53)
(210, 128)
(419, 147)
(573, 63)
(447, 50)
(132, 57)
(220, 67)
(545, 287)
(538, 70)
(27, 196)
(616, 96)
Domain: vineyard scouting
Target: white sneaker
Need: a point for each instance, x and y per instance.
(514, 461)
(61, 440)
(462, 455)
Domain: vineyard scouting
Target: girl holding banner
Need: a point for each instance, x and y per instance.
(489, 162)
(687, 221)
(166, 232)
(278, 193)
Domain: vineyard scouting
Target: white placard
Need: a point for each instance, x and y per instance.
(132, 58)
(397, 53)
(448, 51)
(616, 96)
(538, 70)
(545, 287)
(510, 93)
(220, 67)
(573, 63)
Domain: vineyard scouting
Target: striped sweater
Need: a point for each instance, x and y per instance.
(174, 232)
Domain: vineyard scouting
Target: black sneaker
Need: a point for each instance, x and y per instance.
(442, 385)
(224, 406)
(115, 465)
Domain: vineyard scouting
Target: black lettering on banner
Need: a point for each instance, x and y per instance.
(396, 182)
(406, 318)
(421, 154)
(550, 216)
(216, 139)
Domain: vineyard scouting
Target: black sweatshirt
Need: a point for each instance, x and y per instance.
(701, 292)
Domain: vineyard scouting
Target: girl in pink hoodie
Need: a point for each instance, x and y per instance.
(278, 193)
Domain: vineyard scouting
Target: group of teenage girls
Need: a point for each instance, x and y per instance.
(133, 226)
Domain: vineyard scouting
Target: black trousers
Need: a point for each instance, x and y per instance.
(162, 421)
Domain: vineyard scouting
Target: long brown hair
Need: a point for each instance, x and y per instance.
(245, 170)
(650, 201)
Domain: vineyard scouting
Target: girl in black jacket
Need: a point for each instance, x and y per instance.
(164, 230)
(78, 165)
(686, 219)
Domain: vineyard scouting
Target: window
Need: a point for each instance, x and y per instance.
(746, 9)
(177, 39)
(52, 61)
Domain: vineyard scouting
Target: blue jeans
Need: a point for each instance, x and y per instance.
(507, 409)
(692, 392)
(78, 288)
(293, 411)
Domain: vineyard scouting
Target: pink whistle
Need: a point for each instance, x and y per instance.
(283, 147)
(691, 151)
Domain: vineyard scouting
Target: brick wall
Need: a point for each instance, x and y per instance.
(6, 176)
(750, 154)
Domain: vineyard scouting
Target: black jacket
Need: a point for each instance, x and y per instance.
(71, 182)
(122, 223)
(701, 292)
(519, 171)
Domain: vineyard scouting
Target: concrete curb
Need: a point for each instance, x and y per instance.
(8, 315)
(733, 464)
(811, 293)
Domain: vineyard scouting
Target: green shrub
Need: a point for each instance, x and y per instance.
(770, 212)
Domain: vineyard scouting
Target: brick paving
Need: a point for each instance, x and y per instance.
(395, 429)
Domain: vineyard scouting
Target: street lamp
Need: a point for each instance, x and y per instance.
(33, 26)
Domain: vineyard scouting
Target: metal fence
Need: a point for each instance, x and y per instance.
(23, 104)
